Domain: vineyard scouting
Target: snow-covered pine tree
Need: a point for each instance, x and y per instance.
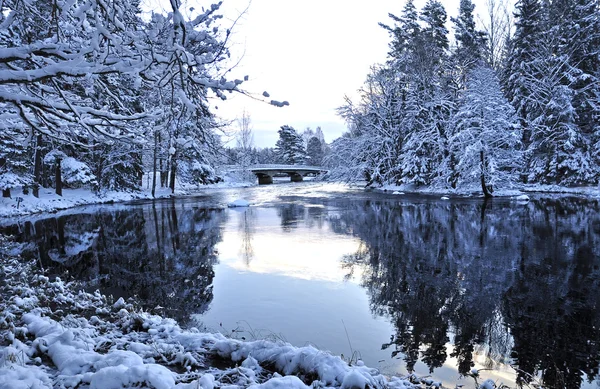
(522, 49)
(14, 159)
(558, 153)
(429, 102)
(315, 152)
(470, 43)
(487, 136)
(290, 146)
(575, 24)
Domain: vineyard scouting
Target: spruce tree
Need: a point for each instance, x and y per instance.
(522, 51)
(315, 152)
(290, 146)
(470, 43)
(487, 135)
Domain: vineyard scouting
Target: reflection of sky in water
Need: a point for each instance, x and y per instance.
(303, 252)
(292, 287)
(309, 262)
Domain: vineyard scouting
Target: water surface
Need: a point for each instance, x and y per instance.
(407, 283)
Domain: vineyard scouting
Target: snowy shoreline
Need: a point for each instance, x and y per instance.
(52, 335)
(49, 202)
(516, 193)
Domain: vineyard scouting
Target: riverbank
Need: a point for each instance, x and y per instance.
(515, 193)
(20, 204)
(53, 335)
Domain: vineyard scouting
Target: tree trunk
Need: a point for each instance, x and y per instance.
(58, 178)
(154, 164)
(5, 192)
(163, 172)
(173, 172)
(37, 167)
(484, 188)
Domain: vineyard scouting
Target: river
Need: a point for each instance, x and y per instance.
(403, 282)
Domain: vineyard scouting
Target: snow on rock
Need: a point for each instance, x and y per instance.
(488, 384)
(121, 377)
(239, 203)
(289, 382)
(523, 198)
(398, 193)
(445, 198)
(24, 377)
(354, 380)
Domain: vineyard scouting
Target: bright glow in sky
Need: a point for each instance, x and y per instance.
(309, 52)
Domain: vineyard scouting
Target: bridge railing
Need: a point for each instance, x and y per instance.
(273, 167)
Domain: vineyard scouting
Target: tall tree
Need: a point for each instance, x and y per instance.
(497, 25)
(290, 146)
(522, 51)
(315, 152)
(487, 135)
(245, 139)
(470, 43)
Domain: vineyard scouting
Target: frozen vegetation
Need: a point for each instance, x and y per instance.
(54, 336)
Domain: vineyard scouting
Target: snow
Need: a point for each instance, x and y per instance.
(488, 384)
(522, 197)
(51, 202)
(239, 203)
(72, 339)
(445, 198)
(398, 193)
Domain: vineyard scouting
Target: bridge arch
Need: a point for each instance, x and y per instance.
(265, 173)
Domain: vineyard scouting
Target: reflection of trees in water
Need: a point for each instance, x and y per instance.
(292, 214)
(247, 229)
(507, 281)
(164, 255)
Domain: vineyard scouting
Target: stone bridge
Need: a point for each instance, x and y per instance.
(265, 173)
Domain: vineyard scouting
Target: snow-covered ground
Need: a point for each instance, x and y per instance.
(19, 204)
(517, 193)
(54, 336)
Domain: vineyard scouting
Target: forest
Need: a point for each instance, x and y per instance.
(98, 94)
(95, 93)
(514, 103)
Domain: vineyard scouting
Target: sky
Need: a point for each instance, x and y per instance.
(310, 53)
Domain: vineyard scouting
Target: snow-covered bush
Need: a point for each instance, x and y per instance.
(77, 174)
(203, 174)
(74, 173)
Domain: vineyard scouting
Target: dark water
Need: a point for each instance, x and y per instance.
(407, 283)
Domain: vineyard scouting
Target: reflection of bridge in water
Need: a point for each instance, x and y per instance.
(296, 173)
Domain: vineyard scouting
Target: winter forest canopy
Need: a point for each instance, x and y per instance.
(93, 94)
(96, 94)
(507, 105)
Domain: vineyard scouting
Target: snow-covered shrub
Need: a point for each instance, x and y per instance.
(204, 174)
(118, 166)
(9, 180)
(76, 174)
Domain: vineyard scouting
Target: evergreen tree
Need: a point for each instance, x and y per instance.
(405, 30)
(470, 43)
(290, 146)
(522, 51)
(315, 152)
(435, 33)
(14, 163)
(487, 136)
(558, 151)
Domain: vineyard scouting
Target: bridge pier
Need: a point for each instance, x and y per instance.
(295, 177)
(264, 179)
